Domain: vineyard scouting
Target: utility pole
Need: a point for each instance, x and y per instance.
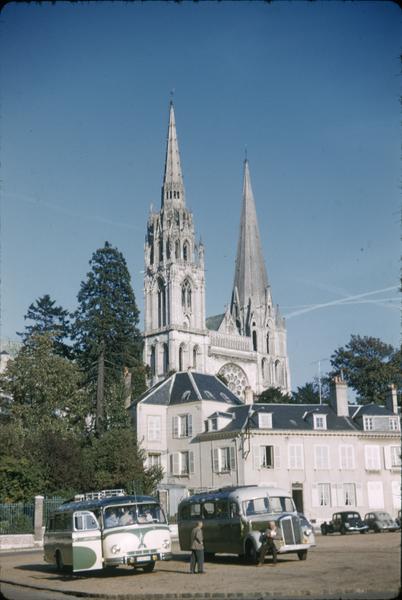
(318, 362)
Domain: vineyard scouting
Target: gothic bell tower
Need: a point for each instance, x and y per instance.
(175, 336)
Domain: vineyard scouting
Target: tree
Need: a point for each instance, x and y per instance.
(48, 318)
(309, 393)
(369, 366)
(105, 331)
(46, 389)
(274, 395)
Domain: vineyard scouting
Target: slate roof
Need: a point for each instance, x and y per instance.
(189, 387)
(297, 417)
(213, 323)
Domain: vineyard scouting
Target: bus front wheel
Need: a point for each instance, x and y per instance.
(149, 567)
(251, 553)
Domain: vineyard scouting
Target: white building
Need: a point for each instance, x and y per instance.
(330, 457)
(247, 344)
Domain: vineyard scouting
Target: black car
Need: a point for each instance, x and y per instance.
(347, 521)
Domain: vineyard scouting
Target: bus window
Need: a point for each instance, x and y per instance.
(221, 509)
(208, 510)
(256, 506)
(282, 504)
(62, 522)
(85, 521)
(150, 513)
(195, 511)
(234, 510)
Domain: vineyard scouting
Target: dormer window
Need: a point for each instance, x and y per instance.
(213, 424)
(368, 423)
(265, 420)
(320, 421)
(393, 424)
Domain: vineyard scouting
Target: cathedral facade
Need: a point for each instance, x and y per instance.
(247, 343)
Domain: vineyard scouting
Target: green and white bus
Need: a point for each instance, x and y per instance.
(234, 518)
(107, 529)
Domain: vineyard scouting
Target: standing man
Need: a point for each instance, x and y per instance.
(197, 549)
(268, 544)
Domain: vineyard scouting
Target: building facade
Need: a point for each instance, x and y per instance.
(331, 457)
(247, 343)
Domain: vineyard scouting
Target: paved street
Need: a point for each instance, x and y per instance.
(353, 566)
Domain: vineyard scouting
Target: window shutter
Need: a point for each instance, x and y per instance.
(359, 494)
(277, 458)
(314, 495)
(291, 457)
(263, 456)
(232, 458)
(387, 457)
(396, 493)
(256, 458)
(215, 460)
(175, 427)
(191, 462)
(189, 425)
(176, 463)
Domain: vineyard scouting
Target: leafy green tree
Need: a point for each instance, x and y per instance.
(20, 479)
(48, 318)
(369, 366)
(274, 395)
(309, 393)
(105, 331)
(46, 388)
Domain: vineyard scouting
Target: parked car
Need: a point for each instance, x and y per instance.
(380, 521)
(307, 529)
(344, 522)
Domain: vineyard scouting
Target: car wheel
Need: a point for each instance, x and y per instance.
(251, 553)
(302, 554)
(149, 567)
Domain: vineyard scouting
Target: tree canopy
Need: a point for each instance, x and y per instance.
(369, 366)
(274, 395)
(48, 318)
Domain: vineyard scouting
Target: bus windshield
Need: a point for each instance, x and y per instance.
(281, 504)
(256, 506)
(132, 514)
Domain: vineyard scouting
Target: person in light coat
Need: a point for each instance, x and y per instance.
(197, 549)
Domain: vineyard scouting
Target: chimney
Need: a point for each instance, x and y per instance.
(339, 396)
(248, 396)
(391, 399)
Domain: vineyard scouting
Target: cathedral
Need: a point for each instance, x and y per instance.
(246, 344)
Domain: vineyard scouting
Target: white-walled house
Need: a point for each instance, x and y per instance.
(330, 457)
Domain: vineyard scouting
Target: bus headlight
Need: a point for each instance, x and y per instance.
(115, 549)
(165, 544)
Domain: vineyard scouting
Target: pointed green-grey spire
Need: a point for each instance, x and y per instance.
(250, 280)
(173, 187)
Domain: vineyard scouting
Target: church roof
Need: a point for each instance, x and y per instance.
(173, 179)
(251, 278)
(213, 323)
(189, 386)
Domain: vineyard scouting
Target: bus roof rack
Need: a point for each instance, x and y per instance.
(100, 494)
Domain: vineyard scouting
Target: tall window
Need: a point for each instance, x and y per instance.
(295, 456)
(177, 249)
(154, 459)
(182, 463)
(154, 428)
(321, 457)
(266, 457)
(346, 457)
(223, 459)
(153, 360)
(255, 341)
(324, 494)
(186, 296)
(372, 458)
(349, 494)
(161, 304)
(267, 340)
(186, 251)
(165, 358)
(182, 426)
(395, 456)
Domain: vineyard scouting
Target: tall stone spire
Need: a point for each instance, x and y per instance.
(173, 187)
(250, 281)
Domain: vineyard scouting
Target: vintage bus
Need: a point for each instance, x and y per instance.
(234, 517)
(107, 529)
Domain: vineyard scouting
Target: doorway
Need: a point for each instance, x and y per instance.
(297, 495)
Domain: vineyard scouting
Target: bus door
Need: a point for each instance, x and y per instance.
(236, 528)
(86, 542)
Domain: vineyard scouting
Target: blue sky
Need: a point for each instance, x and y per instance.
(310, 88)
